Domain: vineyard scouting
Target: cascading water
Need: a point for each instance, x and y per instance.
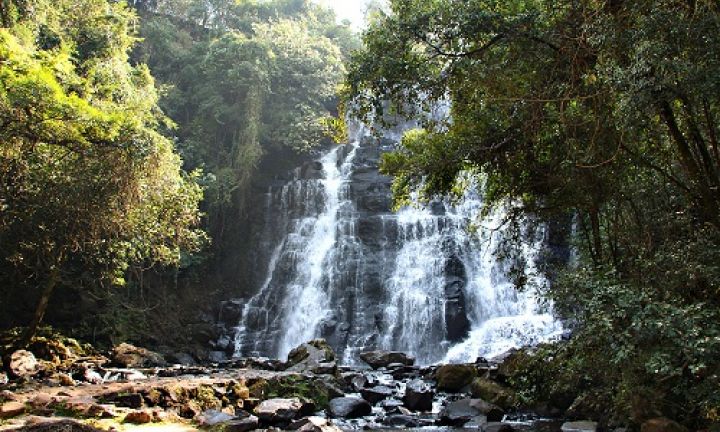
(423, 280)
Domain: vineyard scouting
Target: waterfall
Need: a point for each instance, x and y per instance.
(424, 280)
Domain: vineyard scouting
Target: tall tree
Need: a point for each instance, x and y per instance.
(86, 181)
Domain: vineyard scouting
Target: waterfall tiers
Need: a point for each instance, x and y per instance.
(423, 280)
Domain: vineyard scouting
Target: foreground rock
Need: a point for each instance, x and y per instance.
(378, 359)
(349, 407)
(130, 356)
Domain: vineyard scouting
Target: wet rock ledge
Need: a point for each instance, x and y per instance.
(59, 386)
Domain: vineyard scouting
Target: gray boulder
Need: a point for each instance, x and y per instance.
(349, 407)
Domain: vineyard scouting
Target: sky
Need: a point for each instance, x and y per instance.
(352, 10)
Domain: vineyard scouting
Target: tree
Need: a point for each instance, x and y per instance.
(603, 111)
(88, 184)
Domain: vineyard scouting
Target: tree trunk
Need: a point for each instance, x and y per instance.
(41, 307)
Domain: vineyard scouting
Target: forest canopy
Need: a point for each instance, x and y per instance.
(603, 112)
(131, 135)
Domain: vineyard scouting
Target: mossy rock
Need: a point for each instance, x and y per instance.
(492, 392)
(291, 386)
(454, 377)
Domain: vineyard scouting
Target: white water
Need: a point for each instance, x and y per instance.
(389, 291)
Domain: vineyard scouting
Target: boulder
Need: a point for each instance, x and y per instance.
(23, 364)
(349, 407)
(315, 356)
(278, 410)
(662, 424)
(493, 392)
(376, 394)
(11, 409)
(130, 356)
(459, 412)
(579, 426)
(378, 359)
(454, 377)
(418, 396)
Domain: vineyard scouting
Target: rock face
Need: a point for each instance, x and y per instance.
(418, 396)
(23, 364)
(378, 359)
(130, 356)
(456, 319)
(349, 407)
(454, 377)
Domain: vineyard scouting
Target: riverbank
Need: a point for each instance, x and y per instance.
(132, 388)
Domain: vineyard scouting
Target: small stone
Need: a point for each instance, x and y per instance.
(3, 378)
(580, 426)
(138, 417)
(242, 425)
(11, 409)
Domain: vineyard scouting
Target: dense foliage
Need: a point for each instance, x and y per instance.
(88, 187)
(604, 111)
(254, 81)
(95, 200)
